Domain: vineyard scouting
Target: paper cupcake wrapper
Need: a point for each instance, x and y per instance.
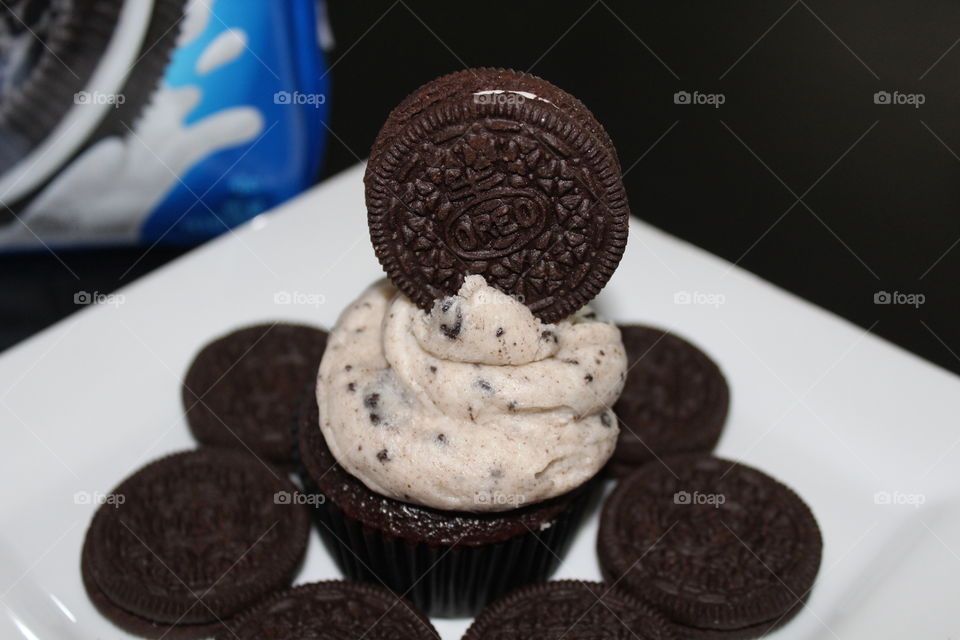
(447, 581)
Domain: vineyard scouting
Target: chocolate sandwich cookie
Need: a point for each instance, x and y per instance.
(191, 540)
(501, 174)
(454, 84)
(569, 609)
(674, 400)
(722, 550)
(137, 625)
(332, 609)
(244, 389)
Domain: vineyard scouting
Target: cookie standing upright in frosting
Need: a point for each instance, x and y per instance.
(500, 174)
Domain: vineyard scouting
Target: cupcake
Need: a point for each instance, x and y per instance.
(462, 407)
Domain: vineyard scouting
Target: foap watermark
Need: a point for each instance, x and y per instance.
(98, 497)
(297, 497)
(899, 98)
(298, 98)
(897, 297)
(495, 299)
(899, 498)
(501, 96)
(699, 297)
(699, 98)
(712, 499)
(95, 297)
(99, 98)
(299, 298)
(500, 499)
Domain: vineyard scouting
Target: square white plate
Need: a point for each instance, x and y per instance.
(840, 415)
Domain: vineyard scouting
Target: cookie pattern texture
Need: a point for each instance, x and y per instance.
(502, 175)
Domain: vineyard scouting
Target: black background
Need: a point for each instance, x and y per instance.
(799, 176)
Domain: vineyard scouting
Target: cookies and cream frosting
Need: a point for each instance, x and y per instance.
(475, 406)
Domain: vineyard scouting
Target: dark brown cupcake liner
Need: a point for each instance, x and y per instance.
(445, 575)
(446, 581)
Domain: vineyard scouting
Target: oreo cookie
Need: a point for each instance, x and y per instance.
(244, 390)
(569, 609)
(332, 609)
(191, 540)
(137, 625)
(721, 549)
(497, 173)
(675, 399)
(449, 563)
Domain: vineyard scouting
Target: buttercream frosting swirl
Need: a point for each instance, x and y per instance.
(475, 406)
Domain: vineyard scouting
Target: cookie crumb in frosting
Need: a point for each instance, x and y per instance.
(383, 456)
(451, 331)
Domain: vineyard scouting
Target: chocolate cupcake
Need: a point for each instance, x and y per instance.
(462, 409)
(456, 450)
(449, 563)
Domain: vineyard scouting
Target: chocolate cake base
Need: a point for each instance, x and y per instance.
(448, 563)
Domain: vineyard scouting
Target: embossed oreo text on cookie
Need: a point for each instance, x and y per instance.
(526, 193)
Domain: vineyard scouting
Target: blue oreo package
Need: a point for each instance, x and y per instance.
(156, 121)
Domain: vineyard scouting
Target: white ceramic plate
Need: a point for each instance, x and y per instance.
(846, 419)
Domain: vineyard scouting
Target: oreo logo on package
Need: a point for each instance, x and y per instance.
(138, 121)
